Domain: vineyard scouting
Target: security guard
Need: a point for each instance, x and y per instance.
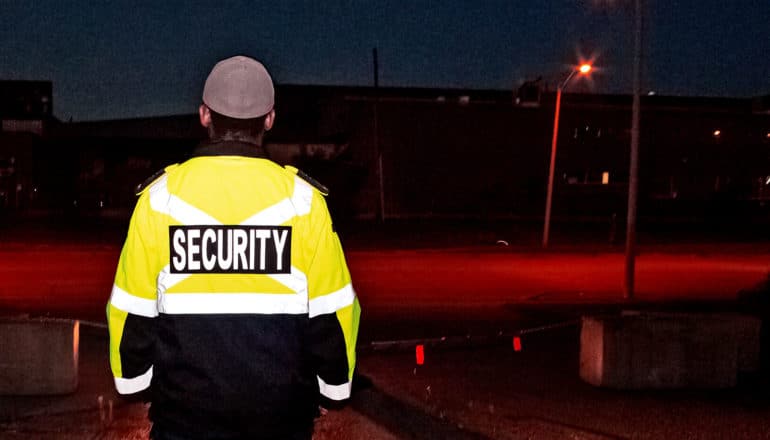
(233, 305)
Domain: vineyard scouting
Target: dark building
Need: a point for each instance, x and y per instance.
(453, 154)
(25, 119)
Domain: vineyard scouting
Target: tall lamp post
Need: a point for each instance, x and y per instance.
(583, 69)
(633, 174)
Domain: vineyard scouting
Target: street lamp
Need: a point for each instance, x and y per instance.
(583, 69)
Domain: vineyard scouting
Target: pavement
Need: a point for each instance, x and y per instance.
(472, 384)
(96, 411)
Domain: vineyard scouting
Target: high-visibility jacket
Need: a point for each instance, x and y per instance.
(232, 300)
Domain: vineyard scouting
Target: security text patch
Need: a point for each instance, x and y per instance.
(230, 249)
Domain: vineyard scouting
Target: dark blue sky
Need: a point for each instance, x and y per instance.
(130, 59)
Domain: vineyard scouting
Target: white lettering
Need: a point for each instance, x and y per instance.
(179, 253)
(253, 238)
(279, 245)
(262, 235)
(225, 253)
(229, 249)
(209, 260)
(239, 248)
(193, 248)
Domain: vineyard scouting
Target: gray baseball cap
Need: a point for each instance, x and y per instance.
(239, 87)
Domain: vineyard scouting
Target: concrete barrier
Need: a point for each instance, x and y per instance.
(38, 356)
(637, 350)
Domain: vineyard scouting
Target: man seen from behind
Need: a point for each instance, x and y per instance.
(232, 307)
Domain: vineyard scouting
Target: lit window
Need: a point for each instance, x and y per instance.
(605, 178)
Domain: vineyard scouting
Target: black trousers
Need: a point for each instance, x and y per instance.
(158, 433)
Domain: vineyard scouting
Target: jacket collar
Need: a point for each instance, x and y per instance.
(229, 148)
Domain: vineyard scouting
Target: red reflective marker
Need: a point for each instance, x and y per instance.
(419, 353)
(516, 343)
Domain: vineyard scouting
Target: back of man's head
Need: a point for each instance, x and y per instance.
(239, 94)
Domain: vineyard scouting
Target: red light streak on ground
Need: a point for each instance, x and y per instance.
(466, 278)
(65, 279)
(56, 278)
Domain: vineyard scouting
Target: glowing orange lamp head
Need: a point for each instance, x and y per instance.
(584, 68)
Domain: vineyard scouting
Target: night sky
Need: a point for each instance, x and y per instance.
(130, 59)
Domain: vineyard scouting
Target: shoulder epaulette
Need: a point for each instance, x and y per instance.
(152, 179)
(314, 183)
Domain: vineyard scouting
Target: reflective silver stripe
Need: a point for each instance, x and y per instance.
(296, 280)
(332, 302)
(189, 214)
(134, 384)
(232, 303)
(120, 299)
(302, 197)
(276, 214)
(166, 203)
(334, 392)
(167, 280)
(159, 195)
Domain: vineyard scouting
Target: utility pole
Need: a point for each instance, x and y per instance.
(376, 128)
(633, 175)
